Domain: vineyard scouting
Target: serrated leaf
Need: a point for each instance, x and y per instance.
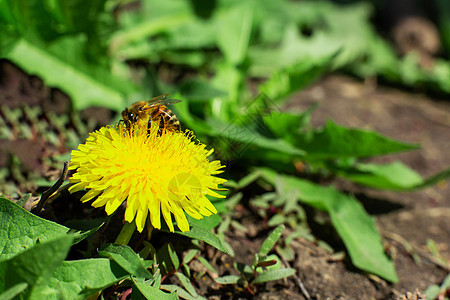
(20, 229)
(83, 278)
(240, 139)
(34, 267)
(127, 259)
(334, 141)
(271, 240)
(152, 293)
(202, 234)
(228, 279)
(287, 125)
(273, 275)
(355, 227)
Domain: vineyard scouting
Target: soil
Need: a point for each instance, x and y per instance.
(403, 218)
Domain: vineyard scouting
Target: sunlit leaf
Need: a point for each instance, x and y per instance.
(204, 235)
(152, 293)
(392, 176)
(80, 279)
(356, 228)
(20, 229)
(34, 267)
(334, 141)
(61, 65)
(127, 259)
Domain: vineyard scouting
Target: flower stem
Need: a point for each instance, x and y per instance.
(125, 234)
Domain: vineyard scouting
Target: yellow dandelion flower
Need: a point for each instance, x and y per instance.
(166, 173)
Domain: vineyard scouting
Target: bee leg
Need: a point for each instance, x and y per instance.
(162, 125)
(149, 125)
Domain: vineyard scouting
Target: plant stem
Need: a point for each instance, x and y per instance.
(125, 234)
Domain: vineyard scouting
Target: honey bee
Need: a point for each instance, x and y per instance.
(143, 113)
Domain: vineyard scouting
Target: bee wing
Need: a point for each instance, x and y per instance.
(161, 100)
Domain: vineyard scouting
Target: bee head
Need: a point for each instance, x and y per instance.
(128, 115)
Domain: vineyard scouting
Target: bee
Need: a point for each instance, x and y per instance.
(143, 113)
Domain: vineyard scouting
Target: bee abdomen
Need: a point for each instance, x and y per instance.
(166, 119)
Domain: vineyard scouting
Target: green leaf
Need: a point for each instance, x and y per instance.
(200, 90)
(273, 275)
(78, 236)
(13, 291)
(356, 228)
(180, 291)
(62, 65)
(173, 256)
(167, 258)
(206, 264)
(81, 279)
(432, 180)
(277, 219)
(149, 27)
(152, 293)
(208, 223)
(202, 234)
(34, 267)
(432, 292)
(228, 279)
(50, 21)
(393, 176)
(247, 180)
(234, 27)
(288, 125)
(244, 141)
(271, 240)
(189, 256)
(127, 259)
(187, 284)
(334, 141)
(294, 77)
(20, 229)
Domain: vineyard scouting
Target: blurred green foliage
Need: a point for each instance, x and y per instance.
(215, 55)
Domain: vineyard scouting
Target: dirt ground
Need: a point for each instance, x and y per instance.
(403, 218)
